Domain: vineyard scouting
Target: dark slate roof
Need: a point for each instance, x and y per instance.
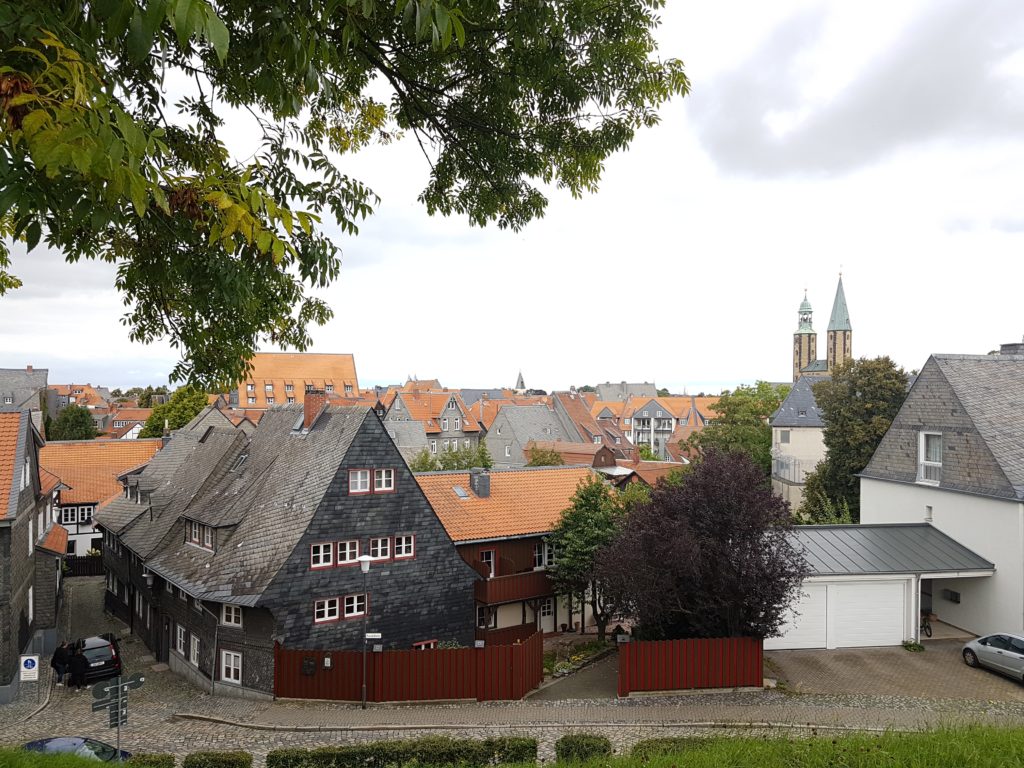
(845, 550)
(991, 390)
(800, 400)
(535, 422)
(22, 386)
(261, 507)
(470, 396)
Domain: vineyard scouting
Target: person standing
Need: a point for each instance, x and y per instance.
(78, 665)
(59, 662)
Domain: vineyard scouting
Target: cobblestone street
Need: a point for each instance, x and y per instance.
(169, 715)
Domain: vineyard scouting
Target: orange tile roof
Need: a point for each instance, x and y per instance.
(429, 407)
(279, 369)
(90, 467)
(47, 482)
(10, 426)
(522, 501)
(614, 406)
(56, 540)
(131, 414)
(651, 471)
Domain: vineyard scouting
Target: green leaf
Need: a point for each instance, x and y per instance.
(32, 234)
(217, 34)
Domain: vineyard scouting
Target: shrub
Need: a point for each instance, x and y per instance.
(577, 747)
(151, 761)
(669, 745)
(218, 760)
(428, 752)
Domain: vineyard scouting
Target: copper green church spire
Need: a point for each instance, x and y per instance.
(840, 320)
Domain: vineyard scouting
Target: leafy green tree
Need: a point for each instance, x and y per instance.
(857, 407)
(741, 423)
(663, 392)
(584, 530)
(647, 453)
(113, 139)
(587, 388)
(184, 405)
(74, 423)
(423, 462)
(145, 396)
(543, 457)
(483, 456)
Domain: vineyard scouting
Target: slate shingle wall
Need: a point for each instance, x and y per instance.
(429, 597)
(932, 406)
(18, 575)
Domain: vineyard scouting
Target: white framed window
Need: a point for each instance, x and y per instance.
(486, 619)
(627, 422)
(538, 554)
(270, 400)
(325, 610)
(180, 639)
(138, 603)
(380, 548)
(465, 443)
(405, 546)
(383, 480)
(547, 607)
(359, 481)
(291, 399)
(456, 424)
(328, 388)
(193, 531)
(447, 445)
(197, 605)
(251, 400)
(231, 667)
(193, 650)
(321, 555)
(169, 587)
(268, 387)
(68, 515)
(208, 537)
(487, 558)
(549, 553)
(289, 387)
(451, 404)
(597, 439)
(784, 436)
(929, 458)
(348, 389)
(433, 446)
(8, 399)
(355, 605)
(498, 432)
(658, 414)
(250, 387)
(181, 594)
(444, 425)
(508, 451)
(646, 414)
(31, 605)
(231, 615)
(348, 551)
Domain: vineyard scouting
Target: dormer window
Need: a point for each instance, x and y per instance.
(8, 399)
(451, 404)
(250, 387)
(268, 387)
(929, 458)
(328, 388)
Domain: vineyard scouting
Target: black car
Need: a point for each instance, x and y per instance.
(102, 655)
(78, 745)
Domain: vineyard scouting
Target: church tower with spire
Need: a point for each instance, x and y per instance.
(805, 340)
(840, 334)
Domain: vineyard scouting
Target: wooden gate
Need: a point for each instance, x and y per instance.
(490, 673)
(670, 665)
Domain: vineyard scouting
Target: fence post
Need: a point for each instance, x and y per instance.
(624, 658)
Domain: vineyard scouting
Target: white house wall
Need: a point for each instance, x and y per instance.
(991, 527)
(793, 460)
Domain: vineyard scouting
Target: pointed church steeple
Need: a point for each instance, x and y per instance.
(805, 340)
(520, 386)
(840, 332)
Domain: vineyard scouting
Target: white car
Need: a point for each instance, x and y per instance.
(1002, 652)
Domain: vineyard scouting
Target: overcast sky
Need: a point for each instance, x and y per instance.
(885, 139)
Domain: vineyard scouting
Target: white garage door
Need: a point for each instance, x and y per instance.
(806, 629)
(849, 614)
(867, 613)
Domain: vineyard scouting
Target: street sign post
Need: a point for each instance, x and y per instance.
(29, 668)
(112, 695)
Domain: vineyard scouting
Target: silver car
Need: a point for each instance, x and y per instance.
(1002, 652)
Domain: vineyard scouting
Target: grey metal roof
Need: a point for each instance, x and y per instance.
(849, 550)
(815, 366)
(800, 400)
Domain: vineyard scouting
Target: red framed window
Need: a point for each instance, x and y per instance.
(380, 549)
(405, 546)
(359, 481)
(355, 605)
(383, 480)
(321, 555)
(348, 552)
(325, 610)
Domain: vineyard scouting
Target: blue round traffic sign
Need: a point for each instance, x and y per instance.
(30, 663)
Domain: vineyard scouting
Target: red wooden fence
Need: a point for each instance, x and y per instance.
(517, 633)
(489, 673)
(670, 665)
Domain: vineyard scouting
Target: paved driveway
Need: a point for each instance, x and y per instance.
(936, 673)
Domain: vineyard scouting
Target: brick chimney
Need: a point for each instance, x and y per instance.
(28, 369)
(480, 482)
(312, 404)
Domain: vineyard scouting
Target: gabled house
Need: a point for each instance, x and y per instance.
(89, 471)
(515, 426)
(499, 521)
(578, 454)
(572, 408)
(31, 549)
(229, 543)
(954, 458)
(126, 423)
(798, 442)
(25, 389)
(449, 425)
(280, 378)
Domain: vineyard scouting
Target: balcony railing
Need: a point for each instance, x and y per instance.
(510, 589)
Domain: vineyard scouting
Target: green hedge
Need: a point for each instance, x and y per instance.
(670, 745)
(427, 752)
(577, 747)
(218, 760)
(151, 761)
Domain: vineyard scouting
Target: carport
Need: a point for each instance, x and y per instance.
(864, 587)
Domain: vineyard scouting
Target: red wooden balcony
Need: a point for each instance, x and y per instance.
(509, 589)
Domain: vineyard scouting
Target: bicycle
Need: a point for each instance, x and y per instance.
(926, 624)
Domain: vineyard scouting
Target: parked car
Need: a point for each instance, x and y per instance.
(1002, 652)
(78, 745)
(102, 654)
